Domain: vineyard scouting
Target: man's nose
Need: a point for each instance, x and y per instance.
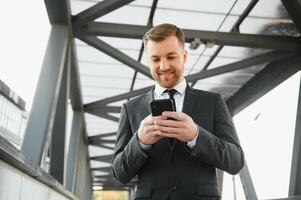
(164, 64)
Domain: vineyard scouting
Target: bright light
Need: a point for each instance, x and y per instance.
(97, 187)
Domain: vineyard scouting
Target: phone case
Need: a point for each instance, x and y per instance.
(160, 105)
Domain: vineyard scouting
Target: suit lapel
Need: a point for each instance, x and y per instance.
(147, 98)
(189, 101)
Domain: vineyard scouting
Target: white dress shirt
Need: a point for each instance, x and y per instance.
(179, 97)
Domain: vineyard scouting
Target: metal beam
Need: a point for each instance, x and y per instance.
(115, 53)
(149, 23)
(100, 9)
(271, 76)
(108, 109)
(219, 38)
(235, 28)
(58, 11)
(106, 158)
(295, 177)
(41, 117)
(294, 10)
(76, 130)
(104, 135)
(105, 169)
(75, 89)
(247, 183)
(255, 60)
(96, 106)
(95, 141)
(57, 150)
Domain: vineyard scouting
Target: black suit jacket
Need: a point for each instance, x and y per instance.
(176, 171)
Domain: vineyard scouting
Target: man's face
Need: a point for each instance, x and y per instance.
(166, 60)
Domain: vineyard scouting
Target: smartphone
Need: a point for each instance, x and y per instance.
(160, 105)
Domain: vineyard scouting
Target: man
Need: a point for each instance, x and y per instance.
(175, 155)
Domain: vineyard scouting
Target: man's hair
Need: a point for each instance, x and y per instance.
(161, 32)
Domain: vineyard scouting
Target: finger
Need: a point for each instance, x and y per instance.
(155, 134)
(150, 128)
(170, 135)
(173, 115)
(167, 129)
(149, 120)
(169, 122)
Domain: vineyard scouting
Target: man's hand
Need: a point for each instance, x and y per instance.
(147, 134)
(182, 127)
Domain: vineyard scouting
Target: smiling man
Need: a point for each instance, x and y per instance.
(175, 155)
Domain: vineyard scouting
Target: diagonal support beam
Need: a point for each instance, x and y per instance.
(106, 116)
(115, 53)
(293, 8)
(41, 118)
(100, 103)
(108, 109)
(219, 38)
(99, 10)
(104, 135)
(75, 89)
(265, 57)
(295, 177)
(97, 106)
(106, 158)
(272, 75)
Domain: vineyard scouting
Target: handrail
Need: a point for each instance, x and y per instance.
(10, 154)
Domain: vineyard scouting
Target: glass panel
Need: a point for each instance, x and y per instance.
(270, 122)
(269, 17)
(96, 125)
(188, 20)
(201, 6)
(127, 15)
(232, 187)
(98, 151)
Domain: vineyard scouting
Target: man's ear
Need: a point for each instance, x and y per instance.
(184, 55)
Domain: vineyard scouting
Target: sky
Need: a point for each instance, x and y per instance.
(266, 128)
(24, 35)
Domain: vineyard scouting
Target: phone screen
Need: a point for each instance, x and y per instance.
(160, 105)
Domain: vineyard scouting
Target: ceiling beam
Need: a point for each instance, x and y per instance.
(109, 109)
(293, 8)
(115, 53)
(100, 9)
(102, 135)
(96, 104)
(218, 38)
(95, 107)
(58, 11)
(255, 60)
(96, 141)
(272, 75)
(235, 28)
(106, 158)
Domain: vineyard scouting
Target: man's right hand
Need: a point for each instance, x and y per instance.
(146, 132)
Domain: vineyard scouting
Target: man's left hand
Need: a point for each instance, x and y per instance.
(181, 126)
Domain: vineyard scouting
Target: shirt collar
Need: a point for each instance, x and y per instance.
(180, 87)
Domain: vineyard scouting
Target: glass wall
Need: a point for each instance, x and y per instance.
(266, 131)
(12, 121)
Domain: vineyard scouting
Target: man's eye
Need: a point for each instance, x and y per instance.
(155, 60)
(171, 57)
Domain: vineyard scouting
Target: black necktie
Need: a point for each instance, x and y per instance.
(171, 93)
